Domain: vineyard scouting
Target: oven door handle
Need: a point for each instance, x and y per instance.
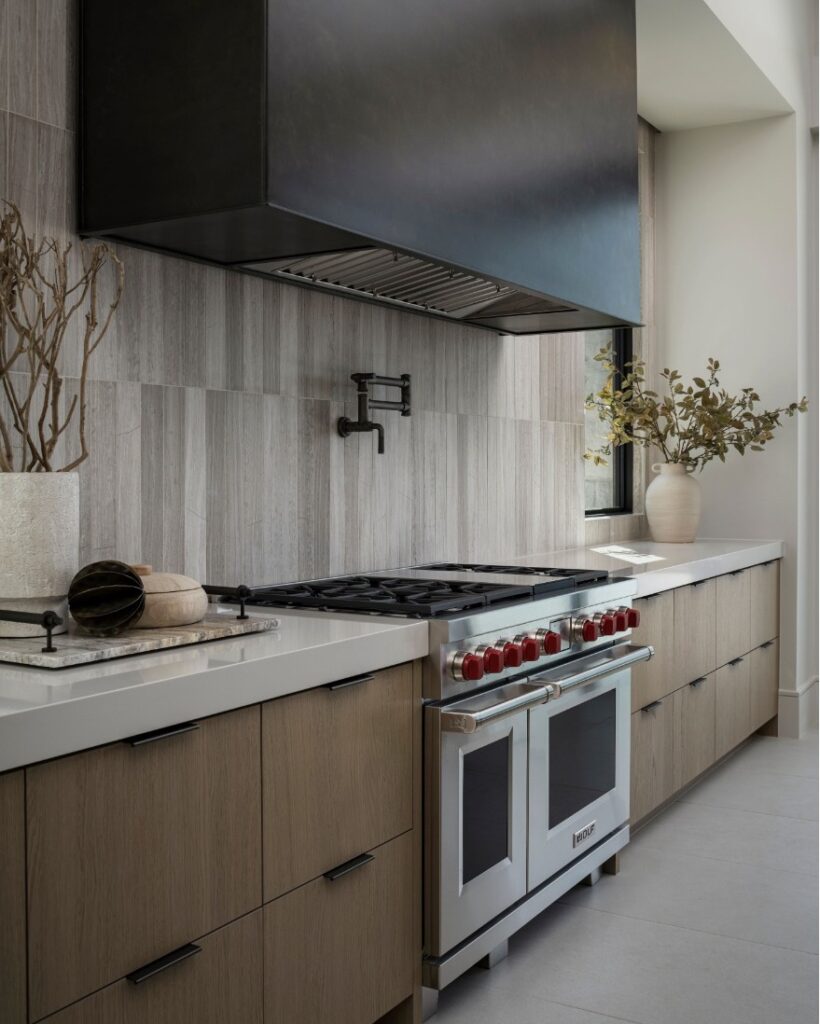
(616, 660)
(471, 721)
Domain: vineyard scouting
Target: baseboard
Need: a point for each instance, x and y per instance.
(797, 710)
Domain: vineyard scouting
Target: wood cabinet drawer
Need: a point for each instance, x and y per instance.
(697, 727)
(132, 850)
(732, 705)
(655, 771)
(221, 983)
(343, 950)
(764, 669)
(765, 602)
(733, 613)
(12, 899)
(337, 775)
(654, 678)
(694, 632)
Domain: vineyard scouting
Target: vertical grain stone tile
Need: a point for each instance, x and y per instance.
(21, 167)
(134, 350)
(395, 478)
(184, 357)
(527, 368)
(534, 492)
(501, 375)
(412, 348)
(430, 495)
(357, 456)
(631, 527)
(279, 556)
(56, 64)
(467, 362)
(244, 326)
(351, 347)
(4, 58)
(56, 189)
(226, 501)
(597, 530)
(337, 526)
(272, 315)
(470, 481)
(195, 489)
(317, 345)
(22, 57)
(562, 377)
(313, 500)
(562, 476)
(4, 137)
(285, 373)
(501, 487)
(214, 340)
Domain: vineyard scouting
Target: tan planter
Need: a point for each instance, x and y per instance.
(39, 545)
(673, 504)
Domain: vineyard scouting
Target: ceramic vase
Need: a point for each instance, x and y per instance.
(39, 545)
(673, 504)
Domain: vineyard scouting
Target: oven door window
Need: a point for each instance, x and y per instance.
(581, 756)
(485, 795)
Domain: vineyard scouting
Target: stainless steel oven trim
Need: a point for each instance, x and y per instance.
(594, 666)
(456, 910)
(464, 718)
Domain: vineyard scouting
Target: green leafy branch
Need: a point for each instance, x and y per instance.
(690, 423)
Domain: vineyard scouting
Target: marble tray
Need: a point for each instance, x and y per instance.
(75, 648)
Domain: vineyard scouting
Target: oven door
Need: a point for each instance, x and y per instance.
(475, 810)
(579, 745)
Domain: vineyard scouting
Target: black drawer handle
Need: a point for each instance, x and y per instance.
(653, 705)
(698, 682)
(343, 684)
(348, 866)
(735, 661)
(164, 962)
(737, 572)
(161, 734)
(768, 643)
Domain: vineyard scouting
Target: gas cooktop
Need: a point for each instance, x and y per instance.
(425, 591)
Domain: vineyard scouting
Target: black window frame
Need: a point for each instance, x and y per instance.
(621, 458)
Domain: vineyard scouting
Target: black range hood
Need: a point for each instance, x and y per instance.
(470, 159)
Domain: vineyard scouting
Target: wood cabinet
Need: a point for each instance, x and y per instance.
(732, 705)
(765, 602)
(764, 673)
(343, 950)
(653, 679)
(733, 616)
(337, 774)
(694, 632)
(136, 849)
(697, 727)
(221, 983)
(12, 899)
(655, 755)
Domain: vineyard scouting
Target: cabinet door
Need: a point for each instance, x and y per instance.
(694, 632)
(337, 771)
(136, 849)
(654, 678)
(12, 899)
(220, 983)
(732, 706)
(733, 615)
(697, 727)
(765, 600)
(764, 667)
(342, 950)
(655, 770)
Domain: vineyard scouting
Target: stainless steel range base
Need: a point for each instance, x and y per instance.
(440, 971)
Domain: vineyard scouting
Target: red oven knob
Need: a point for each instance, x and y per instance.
(633, 617)
(513, 655)
(606, 623)
(621, 620)
(550, 640)
(530, 647)
(493, 658)
(467, 666)
(588, 630)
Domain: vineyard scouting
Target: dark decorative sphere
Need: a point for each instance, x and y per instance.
(106, 598)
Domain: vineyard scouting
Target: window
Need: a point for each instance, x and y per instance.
(608, 488)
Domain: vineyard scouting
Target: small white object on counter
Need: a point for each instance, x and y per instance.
(45, 714)
(657, 567)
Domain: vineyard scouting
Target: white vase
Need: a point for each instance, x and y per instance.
(39, 545)
(673, 504)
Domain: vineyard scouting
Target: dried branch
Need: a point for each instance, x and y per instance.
(38, 302)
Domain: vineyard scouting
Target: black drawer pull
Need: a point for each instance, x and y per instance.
(653, 705)
(697, 682)
(164, 962)
(767, 644)
(161, 734)
(737, 572)
(735, 661)
(352, 681)
(348, 866)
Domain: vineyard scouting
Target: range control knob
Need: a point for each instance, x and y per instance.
(513, 654)
(606, 623)
(493, 658)
(530, 647)
(467, 666)
(633, 617)
(587, 630)
(550, 641)
(621, 620)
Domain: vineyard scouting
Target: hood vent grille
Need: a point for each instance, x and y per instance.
(386, 275)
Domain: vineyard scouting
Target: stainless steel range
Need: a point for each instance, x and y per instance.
(526, 733)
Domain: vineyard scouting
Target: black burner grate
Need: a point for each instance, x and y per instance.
(571, 577)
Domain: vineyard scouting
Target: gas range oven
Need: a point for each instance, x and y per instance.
(526, 736)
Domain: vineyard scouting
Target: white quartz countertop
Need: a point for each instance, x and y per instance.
(45, 714)
(658, 567)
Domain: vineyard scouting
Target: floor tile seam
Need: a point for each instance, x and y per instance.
(745, 810)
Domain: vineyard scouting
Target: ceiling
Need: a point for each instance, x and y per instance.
(693, 73)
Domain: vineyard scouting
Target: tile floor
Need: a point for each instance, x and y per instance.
(713, 918)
